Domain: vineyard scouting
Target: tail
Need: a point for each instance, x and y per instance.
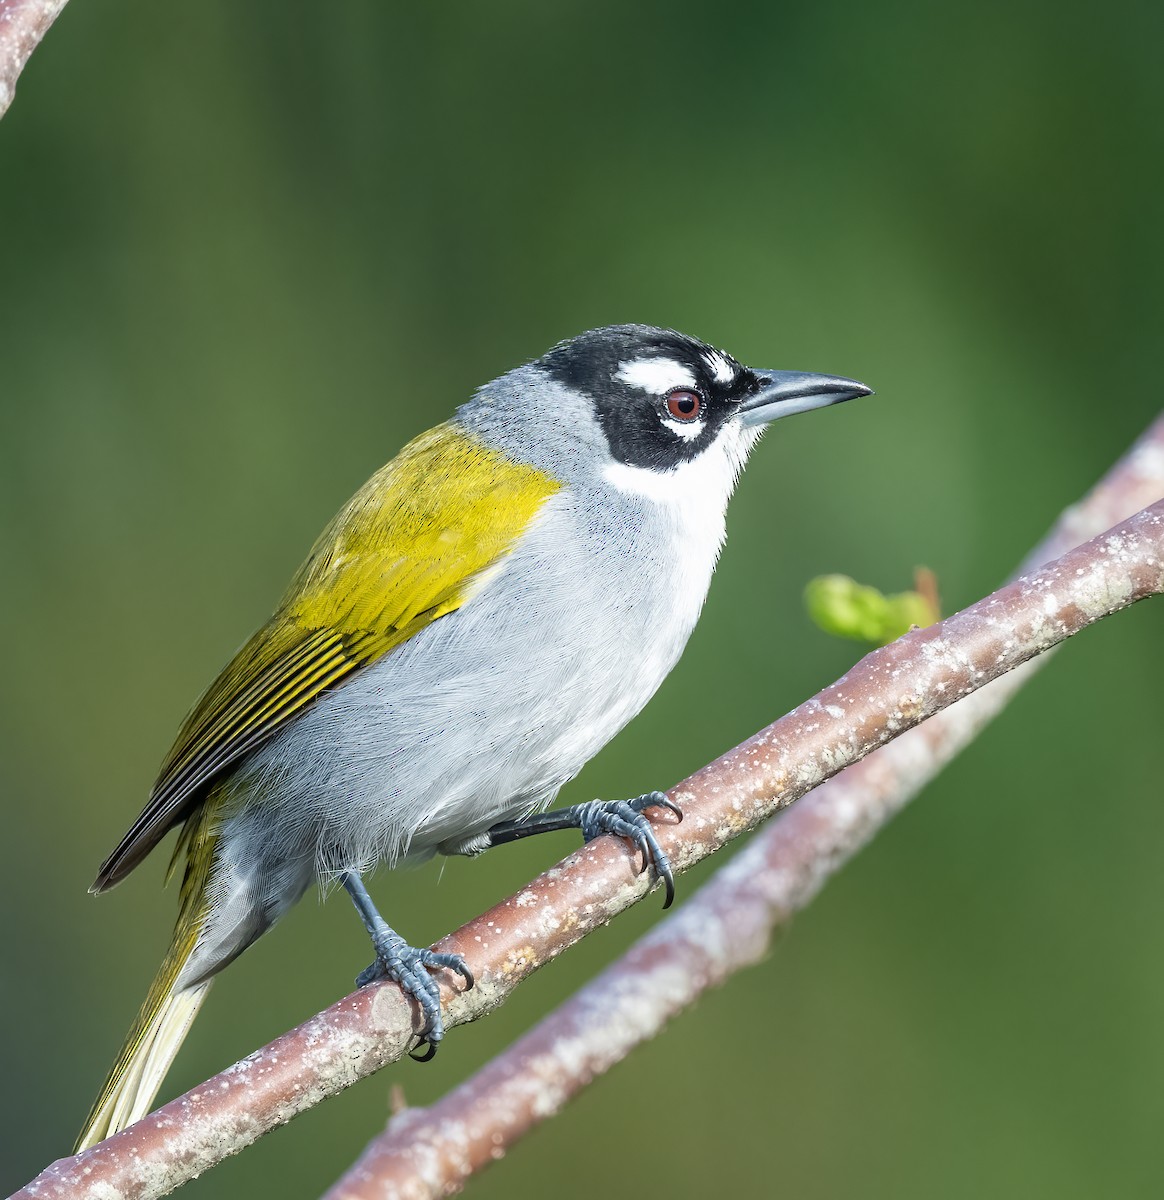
(144, 1060)
(165, 1017)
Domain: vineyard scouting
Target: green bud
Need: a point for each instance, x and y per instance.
(845, 608)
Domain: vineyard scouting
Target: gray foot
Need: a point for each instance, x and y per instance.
(405, 965)
(409, 966)
(624, 818)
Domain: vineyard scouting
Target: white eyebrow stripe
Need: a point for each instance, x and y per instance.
(720, 367)
(655, 375)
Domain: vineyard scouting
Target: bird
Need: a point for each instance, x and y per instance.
(477, 621)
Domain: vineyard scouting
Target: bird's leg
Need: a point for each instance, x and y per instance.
(623, 818)
(407, 965)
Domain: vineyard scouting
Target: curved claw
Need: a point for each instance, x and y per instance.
(429, 1053)
(449, 962)
(657, 800)
(663, 869)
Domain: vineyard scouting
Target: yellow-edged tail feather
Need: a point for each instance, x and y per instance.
(165, 1017)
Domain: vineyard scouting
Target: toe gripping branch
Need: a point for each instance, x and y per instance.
(623, 818)
(409, 966)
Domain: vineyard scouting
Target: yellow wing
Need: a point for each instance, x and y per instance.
(402, 553)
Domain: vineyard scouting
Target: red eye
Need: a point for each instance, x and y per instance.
(684, 405)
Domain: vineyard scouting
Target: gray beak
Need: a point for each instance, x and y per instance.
(783, 393)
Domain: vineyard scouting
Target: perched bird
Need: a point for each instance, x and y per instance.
(484, 615)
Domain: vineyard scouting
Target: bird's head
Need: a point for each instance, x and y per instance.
(648, 410)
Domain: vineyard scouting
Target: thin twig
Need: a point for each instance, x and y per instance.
(22, 24)
(726, 925)
(888, 692)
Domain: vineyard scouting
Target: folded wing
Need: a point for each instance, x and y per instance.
(403, 552)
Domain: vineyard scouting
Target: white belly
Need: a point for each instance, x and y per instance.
(487, 712)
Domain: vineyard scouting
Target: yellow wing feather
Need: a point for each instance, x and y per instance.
(403, 552)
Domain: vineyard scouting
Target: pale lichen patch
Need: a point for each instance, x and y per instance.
(520, 959)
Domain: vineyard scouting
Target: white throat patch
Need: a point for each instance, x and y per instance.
(692, 497)
(689, 502)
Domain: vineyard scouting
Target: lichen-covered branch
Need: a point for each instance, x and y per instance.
(22, 24)
(726, 925)
(888, 692)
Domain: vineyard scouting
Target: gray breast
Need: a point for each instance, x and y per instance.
(488, 711)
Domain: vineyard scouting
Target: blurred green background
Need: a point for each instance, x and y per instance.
(249, 249)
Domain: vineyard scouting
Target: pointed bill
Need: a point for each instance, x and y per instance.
(785, 393)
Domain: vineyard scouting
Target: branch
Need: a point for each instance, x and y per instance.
(22, 24)
(725, 926)
(888, 692)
